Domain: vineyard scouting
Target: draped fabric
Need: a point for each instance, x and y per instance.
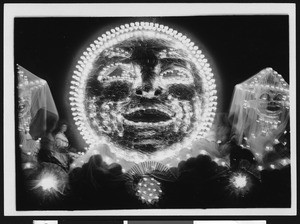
(260, 110)
(37, 111)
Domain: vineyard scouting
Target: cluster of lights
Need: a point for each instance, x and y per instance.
(275, 165)
(25, 83)
(262, 125)
(26, 87)
(268, 121)
(51, 182)
(260, 81)
(256, 81)
(48, 182)
(120, 34)
(240, 183)
(220, 162)
(140, 167)
(280, 163)
(116, 52)
(148, 190)
(166, 77)
(28, 165)
(126, 74)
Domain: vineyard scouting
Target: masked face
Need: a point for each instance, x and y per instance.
(144, 92)
(23, 106)
(271, 103)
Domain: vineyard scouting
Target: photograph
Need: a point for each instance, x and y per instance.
(150, 113)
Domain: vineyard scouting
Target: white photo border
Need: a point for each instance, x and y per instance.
(12, 11)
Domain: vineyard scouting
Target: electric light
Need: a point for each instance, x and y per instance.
(203, 152)
(28, 165)
(148, 190)
(285, 162)
(48, 182)
(223, 163)
(240, 183)
(86, 117)
(265, 99)
(260, 168)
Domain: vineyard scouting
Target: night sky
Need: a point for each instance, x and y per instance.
(237, 47)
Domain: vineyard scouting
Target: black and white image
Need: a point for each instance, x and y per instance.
(152, 112)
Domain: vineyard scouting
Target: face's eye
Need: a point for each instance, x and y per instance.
(22, 108)
(279, 97)
(177, 76)
(117, 72)
(22, 104)
(116, 91)
(265, 96)
(182, 92)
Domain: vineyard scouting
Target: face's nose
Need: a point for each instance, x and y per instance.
(148, 91)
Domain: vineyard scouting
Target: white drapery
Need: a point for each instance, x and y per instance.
(260, 110)
(38, 112)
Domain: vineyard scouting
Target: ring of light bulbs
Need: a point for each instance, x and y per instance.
(284, 87)
(115, 36)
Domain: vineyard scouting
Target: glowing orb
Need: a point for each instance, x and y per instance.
(48, 182)
(240, 183)
(28, 165)
(148, 190)
(145, 90)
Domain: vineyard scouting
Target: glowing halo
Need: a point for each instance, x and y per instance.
(84, 109)
(240, 183)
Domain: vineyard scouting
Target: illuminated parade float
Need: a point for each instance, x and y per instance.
(144, 99)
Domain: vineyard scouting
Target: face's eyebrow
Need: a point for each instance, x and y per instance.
(166, 62)
(171, 53)
(173, 57)
(116, 52)
(117, 72)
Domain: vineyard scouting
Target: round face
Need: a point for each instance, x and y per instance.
(271, 103)
(144, 90)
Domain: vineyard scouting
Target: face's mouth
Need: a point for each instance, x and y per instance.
(273, 108)
(148, 115)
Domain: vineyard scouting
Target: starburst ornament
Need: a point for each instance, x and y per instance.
(240, 183)
(149, 190)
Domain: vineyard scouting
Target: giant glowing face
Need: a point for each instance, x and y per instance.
(144, 88)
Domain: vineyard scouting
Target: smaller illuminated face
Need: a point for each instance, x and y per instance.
(271, 103)
(23, 106)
